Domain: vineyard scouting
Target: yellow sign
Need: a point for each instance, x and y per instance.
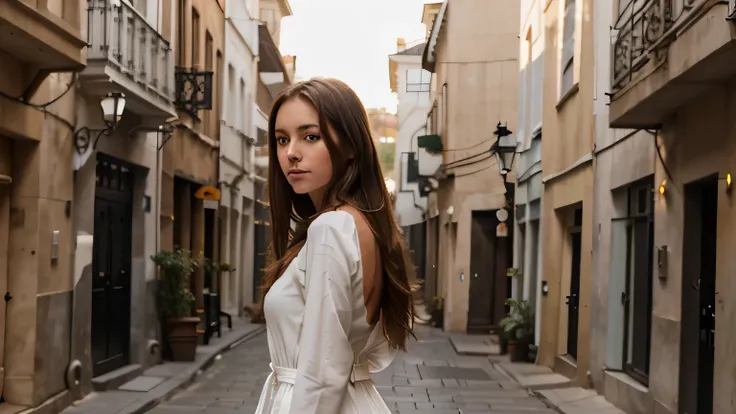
(207, 193)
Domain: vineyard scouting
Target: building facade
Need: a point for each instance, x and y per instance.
(124, 98)
(37, 124)
(189, 217)
(623, 217)
(675, 93)
(274, 75)
(411, 84)
(567, 211)
(472, 52)
(237, 152)
(527, 281)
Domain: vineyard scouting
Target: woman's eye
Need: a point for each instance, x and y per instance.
(282, 140)
(312, 137)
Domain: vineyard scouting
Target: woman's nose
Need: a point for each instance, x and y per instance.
(293, 152)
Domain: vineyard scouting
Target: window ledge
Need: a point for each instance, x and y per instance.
(568, 95)
(628, 380)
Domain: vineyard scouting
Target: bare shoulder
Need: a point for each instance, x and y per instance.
(365, 234)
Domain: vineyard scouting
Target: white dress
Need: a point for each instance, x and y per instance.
(322, 348)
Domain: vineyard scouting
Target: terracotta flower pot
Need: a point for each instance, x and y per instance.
(181, 337)
(519, 350)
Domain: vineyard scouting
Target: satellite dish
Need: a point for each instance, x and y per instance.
(502, 215)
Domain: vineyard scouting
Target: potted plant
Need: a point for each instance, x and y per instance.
(176, 302)
(503, 340)
(518, 328)
(438, 311)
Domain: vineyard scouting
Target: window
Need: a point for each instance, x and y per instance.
(417, 80)
(244, 115)
(217, 84)
(528, 72)
(195, 37)
(208, 63)
(637, 295)
(182, 20)
(568, 47)
(232, 109)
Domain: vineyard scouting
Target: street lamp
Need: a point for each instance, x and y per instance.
(505, 149)
(113, 106)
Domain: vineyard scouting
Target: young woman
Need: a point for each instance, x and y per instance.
(337, 299)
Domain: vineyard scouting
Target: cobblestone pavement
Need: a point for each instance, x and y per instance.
(430, 378)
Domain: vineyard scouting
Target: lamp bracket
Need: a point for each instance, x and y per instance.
(83, 138)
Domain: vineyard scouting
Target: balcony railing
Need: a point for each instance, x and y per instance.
(120, 35)
(641, 25)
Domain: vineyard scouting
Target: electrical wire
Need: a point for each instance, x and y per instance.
(475, 171)
(467, 148)
(69, 86)
(452, 163)
(452, 167)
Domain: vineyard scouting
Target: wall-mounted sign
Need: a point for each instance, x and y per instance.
(502, 230)
(502, 215)
(207, 192)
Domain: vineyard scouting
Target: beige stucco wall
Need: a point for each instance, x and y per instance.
(622, 157)
(698, 142)
(36, 331)
(568, 140)
(477, 57)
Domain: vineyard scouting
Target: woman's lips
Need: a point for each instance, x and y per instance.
(297, 174)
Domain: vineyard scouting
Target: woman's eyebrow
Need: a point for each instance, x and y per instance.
(301, 128)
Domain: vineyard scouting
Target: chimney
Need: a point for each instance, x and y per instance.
(400, 44)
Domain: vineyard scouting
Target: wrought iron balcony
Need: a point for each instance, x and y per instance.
(128, 55)
(666, 53)
(193, 90)
(641, 25)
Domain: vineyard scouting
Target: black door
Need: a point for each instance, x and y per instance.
(488, 264)
(698, 297)
(573, 300)
(111, 267)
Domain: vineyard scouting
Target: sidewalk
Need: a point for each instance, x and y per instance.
(160, 382)
(431, 378)
(556, 389)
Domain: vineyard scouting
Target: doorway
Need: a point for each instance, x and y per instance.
(4, 269)
(489, 261)
(6, 187)
(111, 263)
(573, 299)
(697, 341)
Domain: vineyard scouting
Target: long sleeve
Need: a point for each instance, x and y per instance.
(325, 358)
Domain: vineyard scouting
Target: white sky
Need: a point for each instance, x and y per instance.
(351, 40)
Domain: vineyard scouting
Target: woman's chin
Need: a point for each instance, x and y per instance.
(301, 188)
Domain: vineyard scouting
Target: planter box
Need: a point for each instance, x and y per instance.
(181, 337)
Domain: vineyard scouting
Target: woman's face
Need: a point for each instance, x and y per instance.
(303, 156)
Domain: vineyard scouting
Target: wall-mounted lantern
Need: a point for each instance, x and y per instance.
(505, 148)
(113, 106)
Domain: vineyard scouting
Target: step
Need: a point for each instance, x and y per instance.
(114, 379)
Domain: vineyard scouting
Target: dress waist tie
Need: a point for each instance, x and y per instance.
(278, 375)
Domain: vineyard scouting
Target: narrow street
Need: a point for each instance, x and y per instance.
(431, 378)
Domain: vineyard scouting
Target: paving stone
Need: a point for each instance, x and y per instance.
(431, 378)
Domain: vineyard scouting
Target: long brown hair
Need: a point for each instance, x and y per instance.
(356, 181)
